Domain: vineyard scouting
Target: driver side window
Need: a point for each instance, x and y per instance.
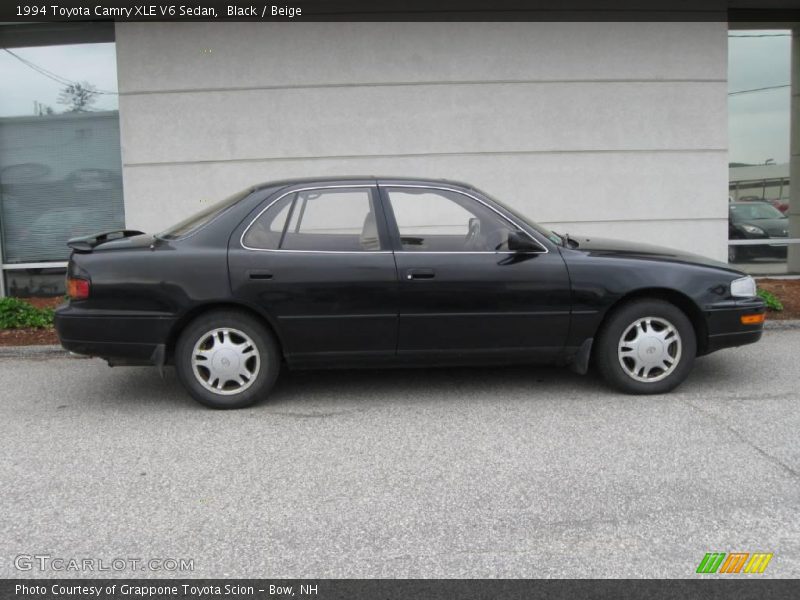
(431, 220)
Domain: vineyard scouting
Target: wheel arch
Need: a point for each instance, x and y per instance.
(678, 299)
(196, 311)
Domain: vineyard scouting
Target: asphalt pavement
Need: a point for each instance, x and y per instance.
(501, 472)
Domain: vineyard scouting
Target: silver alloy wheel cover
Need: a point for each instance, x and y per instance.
(225, 356)
(649, 345)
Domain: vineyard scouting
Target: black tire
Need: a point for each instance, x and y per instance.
(620, 369)
(734, 254)
(265, 365)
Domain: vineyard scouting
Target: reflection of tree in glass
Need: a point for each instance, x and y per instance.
(78, 96)
(40, 109)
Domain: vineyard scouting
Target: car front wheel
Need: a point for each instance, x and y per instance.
(227, 359)
(646, 347)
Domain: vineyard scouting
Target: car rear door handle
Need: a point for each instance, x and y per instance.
(420, 274)
(259, 275)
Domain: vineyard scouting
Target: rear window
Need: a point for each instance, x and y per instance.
(205, 216)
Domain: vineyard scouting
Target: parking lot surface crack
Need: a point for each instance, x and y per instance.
(741, 437)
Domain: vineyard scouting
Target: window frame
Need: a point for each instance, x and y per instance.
(380, 219)
(394, 230)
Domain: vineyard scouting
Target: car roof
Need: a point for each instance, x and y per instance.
(357, 178)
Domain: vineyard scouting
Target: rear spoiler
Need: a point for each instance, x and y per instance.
(87, 243)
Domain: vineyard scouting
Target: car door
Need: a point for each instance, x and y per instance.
(462, 290)
(317, 261)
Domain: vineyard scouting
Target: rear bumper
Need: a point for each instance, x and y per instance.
(725, 328)
(120, 338)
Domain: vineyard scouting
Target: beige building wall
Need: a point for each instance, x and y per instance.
(613, 129)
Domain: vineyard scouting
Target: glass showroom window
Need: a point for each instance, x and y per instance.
(763, 227)
(60, 167)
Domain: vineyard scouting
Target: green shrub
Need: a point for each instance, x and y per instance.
(771, 299)
(16, 313)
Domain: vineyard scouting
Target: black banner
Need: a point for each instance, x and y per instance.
(399, 589)
(400, 10)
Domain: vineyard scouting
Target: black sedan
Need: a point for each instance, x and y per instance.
(363, 272)
(756, 221)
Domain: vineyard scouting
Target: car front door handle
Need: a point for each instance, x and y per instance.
(420, 274)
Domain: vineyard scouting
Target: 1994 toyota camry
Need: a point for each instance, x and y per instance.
(385, 272)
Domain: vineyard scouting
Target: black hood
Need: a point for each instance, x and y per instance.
(622, 249)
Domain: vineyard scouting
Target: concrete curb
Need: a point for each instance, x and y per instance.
(32, 351)
(782, 324)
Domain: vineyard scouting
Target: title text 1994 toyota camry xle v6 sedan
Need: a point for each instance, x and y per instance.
(364, 271)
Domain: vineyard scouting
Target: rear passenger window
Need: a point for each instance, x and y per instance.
(265, 232)
(335, 219)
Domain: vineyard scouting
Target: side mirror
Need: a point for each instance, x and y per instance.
(519, 241)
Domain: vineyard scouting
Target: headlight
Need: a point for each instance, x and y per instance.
(753, 229)
(744, 287)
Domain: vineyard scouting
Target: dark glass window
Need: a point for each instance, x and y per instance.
(266, 231)
(60, 167)
(197, 220)
(334, 219)
(35, 283)
(431, 220)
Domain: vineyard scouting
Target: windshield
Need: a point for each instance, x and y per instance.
(550, 235)
(755, 211)
(197, 220)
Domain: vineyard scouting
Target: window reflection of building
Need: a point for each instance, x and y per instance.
(60, 168)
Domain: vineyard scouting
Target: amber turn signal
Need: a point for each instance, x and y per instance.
(753, 319)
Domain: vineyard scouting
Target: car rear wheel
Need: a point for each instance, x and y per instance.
(227, 359)
(646, 347)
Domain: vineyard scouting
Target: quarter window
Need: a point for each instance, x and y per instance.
(431, 220)
(336, 219)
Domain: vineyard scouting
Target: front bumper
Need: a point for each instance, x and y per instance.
(765, 251)
(120, 338)
(725, 328)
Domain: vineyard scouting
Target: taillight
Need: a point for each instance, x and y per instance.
(78, 289)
